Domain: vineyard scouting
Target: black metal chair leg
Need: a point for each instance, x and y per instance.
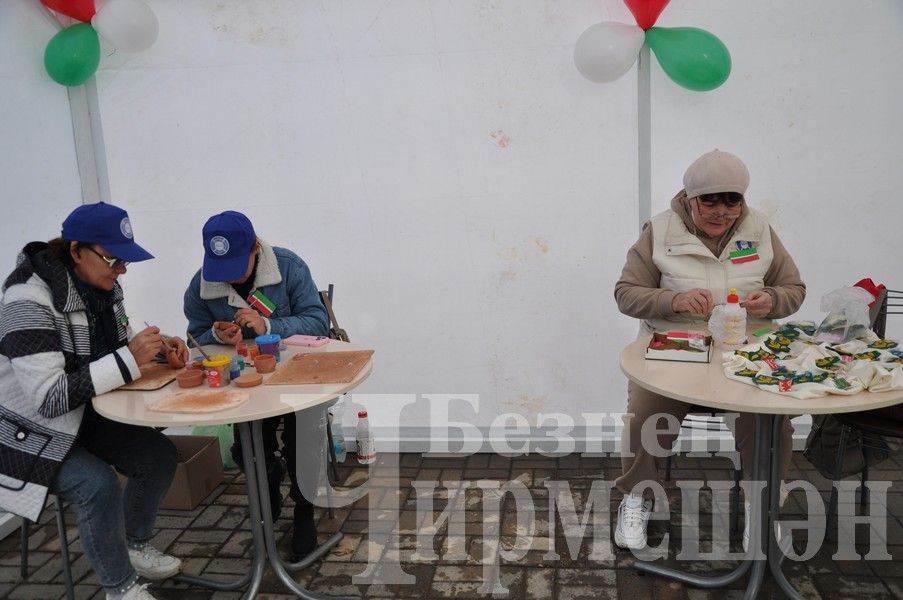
(838, 469)
(864, 491)
(735, 502)
(333, 463)
(64, 549)
(23, 549)
(668, 467)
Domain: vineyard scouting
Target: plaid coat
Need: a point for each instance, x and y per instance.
(46, 375)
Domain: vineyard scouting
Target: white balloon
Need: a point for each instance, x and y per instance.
(607, 50)
(128, 25)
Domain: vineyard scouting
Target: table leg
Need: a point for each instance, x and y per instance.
(263, 494)
(759, 513)
(759, 509)
(251, 580)
(775, 554)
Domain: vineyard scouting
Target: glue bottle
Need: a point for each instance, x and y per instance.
(366, 453)
(734, 323)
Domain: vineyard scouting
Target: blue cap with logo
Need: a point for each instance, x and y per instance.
(228, 240)
(107, 226)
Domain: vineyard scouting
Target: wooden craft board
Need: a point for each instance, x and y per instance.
(200, 401)
(153, 377)
(320, 367)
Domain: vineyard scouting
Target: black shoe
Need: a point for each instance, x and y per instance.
(304, 532)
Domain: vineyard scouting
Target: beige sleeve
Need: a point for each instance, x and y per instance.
(637, 292)
(782, 281)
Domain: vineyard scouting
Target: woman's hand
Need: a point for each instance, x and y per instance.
(146, 345)
(758, 304)
(697, 301)
(229, 333)
(250, 318)
(177, 346)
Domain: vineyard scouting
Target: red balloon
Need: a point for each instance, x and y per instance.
(646, 12)
(80, 10)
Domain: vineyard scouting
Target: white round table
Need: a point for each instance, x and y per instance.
(309, 400)
(705, 384)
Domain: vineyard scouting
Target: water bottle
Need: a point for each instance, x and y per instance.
(366, 453)
(338, 438)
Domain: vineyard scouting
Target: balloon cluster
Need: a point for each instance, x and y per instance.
(692, 57)
(72, 55)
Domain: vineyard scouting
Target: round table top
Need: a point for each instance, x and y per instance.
(129, 406)
(706, 385)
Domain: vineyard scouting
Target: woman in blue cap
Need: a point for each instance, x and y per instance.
(240, 271)
(64, 338)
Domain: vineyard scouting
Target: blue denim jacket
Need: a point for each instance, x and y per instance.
(282, 277)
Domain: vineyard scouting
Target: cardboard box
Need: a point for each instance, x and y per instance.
(683, 352)
(199, 471)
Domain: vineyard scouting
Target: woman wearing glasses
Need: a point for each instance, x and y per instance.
(64, 338)
(674, 275)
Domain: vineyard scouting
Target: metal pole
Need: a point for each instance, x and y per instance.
(87, 133)
(644, 135)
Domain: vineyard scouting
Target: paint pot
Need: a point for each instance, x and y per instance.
(220, 364)
(190, 378)
(269, 344)
(265, 363)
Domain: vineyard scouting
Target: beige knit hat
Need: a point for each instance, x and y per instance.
(714, 172)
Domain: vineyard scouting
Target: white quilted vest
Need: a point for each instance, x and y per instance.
(685, 263)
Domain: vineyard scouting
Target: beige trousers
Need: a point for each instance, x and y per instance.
(638, 460)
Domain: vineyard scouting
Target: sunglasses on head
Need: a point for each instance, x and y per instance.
(729, 199)
(112, 262)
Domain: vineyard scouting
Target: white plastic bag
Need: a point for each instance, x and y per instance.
(848, 315)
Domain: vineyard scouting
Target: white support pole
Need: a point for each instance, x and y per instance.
(644, 135)
(87, 133)
(89, 147)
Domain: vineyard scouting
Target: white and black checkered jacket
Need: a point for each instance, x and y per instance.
(46, 375)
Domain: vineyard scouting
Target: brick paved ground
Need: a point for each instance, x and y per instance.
(213, 540)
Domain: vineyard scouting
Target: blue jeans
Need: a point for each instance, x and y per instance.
(109, 521)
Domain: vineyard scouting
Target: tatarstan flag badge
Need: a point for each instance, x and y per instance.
(744, 255)
(260, 302)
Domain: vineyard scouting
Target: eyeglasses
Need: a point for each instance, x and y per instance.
(113, 263)
(713, 202)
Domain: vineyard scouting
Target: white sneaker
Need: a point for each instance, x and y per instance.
(785, 544)
(136, 592)
(633, 516)
(150, 563)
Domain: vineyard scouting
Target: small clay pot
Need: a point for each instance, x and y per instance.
(265, 363)
(248, 380)
(190, 378)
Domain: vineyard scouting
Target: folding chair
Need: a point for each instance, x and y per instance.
(710, 419)
(64, 547)
(335, 333)
(873, 426)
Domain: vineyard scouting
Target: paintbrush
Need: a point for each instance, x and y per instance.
(161, 357)
(198, 346)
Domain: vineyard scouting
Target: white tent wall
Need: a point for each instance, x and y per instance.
(443, 163)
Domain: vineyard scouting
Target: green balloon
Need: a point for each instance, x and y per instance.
(692, 57)
(72, 55)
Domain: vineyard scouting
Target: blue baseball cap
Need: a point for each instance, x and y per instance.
(106, 225)
(228, 240)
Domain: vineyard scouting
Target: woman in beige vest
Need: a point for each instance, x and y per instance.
(674, 275)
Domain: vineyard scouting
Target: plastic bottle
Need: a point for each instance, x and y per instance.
(734, 323)
(366, 453)
(334, 415)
